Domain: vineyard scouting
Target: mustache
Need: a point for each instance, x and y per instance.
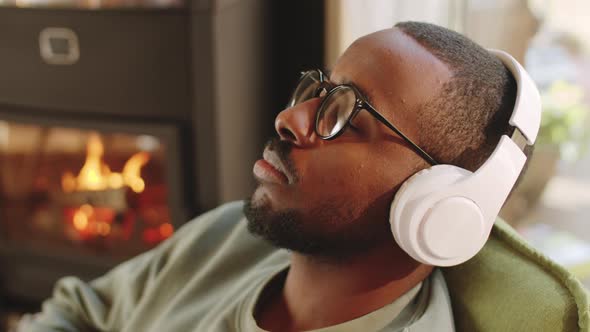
(283, 151)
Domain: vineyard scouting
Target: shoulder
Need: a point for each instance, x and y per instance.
(219, 220)
(219, 232)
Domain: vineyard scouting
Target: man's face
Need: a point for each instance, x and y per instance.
(332, 197)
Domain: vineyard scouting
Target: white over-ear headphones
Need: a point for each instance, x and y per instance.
(443, 215)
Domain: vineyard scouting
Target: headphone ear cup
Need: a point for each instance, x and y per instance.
(407, 224)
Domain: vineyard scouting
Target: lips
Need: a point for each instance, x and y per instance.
(271, 169)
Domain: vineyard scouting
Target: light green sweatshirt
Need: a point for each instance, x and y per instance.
(208, 277)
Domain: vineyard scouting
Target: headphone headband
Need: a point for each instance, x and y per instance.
(526, 115)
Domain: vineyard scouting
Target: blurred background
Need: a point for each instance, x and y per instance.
(122, 119)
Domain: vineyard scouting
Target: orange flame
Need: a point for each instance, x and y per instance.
(85, 220)
(96, 175)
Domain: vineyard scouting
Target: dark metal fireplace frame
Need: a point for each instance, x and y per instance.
(185, 75)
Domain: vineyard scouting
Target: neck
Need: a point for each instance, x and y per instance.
(319, 293)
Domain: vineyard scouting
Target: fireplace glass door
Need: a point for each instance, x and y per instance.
(85, 191)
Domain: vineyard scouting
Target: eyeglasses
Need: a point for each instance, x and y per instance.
(340, 105)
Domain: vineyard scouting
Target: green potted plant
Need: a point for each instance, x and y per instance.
(563, 120)
(562, 136)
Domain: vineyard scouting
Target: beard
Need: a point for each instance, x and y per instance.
(330, 234)
(334, 229)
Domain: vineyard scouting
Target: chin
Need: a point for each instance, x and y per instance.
(259, 199)
(322, 232)
(272, 198)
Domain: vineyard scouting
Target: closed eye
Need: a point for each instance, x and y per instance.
(353, 127)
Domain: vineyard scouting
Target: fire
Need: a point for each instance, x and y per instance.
(93, 221)
(166, 230)
(80, 220)
(96, 175)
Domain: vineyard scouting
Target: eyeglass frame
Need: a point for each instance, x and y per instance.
(361, 103)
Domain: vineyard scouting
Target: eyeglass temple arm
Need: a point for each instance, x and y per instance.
(383, 120)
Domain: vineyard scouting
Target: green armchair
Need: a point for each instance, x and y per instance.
(509, 286)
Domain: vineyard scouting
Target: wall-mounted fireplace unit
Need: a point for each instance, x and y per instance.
(117, 125)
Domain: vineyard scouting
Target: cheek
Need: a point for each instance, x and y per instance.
(345, 176)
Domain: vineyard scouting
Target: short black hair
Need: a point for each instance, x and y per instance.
(463, 124)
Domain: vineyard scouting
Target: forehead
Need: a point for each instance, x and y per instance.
(393, 70)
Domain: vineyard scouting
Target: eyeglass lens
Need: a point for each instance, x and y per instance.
(306, 89)
(335, 111)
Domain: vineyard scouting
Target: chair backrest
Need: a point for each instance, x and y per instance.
(509, 286)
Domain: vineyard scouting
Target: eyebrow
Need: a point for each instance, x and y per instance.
(328, 72)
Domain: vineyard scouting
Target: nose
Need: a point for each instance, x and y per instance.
(296, 124)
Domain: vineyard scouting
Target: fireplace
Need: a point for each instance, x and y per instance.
(118, 125)
(103, 193)
(78, 197)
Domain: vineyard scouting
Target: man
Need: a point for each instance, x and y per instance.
(396, 102)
